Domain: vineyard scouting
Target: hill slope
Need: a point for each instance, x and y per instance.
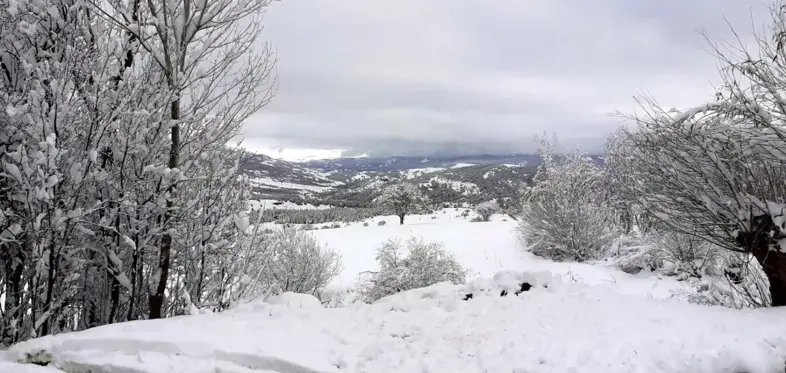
(278, 179)
(454, 181)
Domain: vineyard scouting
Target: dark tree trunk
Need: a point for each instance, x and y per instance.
(773, 263)
(401, 219)
(14, 267)
(157, 298)
(766, 251)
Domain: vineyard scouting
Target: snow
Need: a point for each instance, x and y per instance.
(461, 186)
(462, 165)
(483, 248)
(360, 176)
(269, 182)
(575, 318)
(417, 172)
(553, 329)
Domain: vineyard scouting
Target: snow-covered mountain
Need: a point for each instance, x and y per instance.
(401, 163)
(444, 179)
(275, 178)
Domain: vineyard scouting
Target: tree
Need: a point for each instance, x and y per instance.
(99, 98)
(214, 80)
(487, 209)
(717, 171)
(402, 199)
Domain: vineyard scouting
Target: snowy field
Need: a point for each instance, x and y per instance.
(576, 318)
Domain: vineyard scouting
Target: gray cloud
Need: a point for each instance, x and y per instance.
(461, 76)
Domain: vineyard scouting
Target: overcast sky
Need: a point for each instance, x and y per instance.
(401, 77)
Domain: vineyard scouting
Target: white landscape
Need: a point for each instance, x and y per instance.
(478, 210)
(577, 317)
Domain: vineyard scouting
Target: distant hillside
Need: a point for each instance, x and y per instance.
(457, 184)
(407, 163)
(277, 179)
(355, 182)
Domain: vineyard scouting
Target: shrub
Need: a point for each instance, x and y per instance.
(300, 264)
(486, 209)
(381, 223)
(365, 224)
(563, 214)
(411, 265)
(477, 219)
(743, 285)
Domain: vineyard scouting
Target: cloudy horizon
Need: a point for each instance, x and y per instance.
(408, 77)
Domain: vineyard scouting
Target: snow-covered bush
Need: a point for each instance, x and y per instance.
(402, 199)
(410, 265)
(564, 216)
(300, 264)
(671, 253)
(746, 286)
(486, 209)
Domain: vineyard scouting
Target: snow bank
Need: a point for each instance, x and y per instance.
(556, 326)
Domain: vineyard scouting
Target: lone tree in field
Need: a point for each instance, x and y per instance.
(717, 171)
(402, 199)
(486, 209)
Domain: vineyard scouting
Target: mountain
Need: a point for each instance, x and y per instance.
(355, 182)
(462, 182)
(278, 179)
(401, 163)
(443, 179)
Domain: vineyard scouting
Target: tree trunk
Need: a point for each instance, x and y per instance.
(773, 263)
(401, 219)
(157, 299)
(14, 267)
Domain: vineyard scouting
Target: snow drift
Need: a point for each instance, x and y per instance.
(552, 327)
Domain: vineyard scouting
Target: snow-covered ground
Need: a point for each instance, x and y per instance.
(272, 183)
(483, 248)
(576, 318)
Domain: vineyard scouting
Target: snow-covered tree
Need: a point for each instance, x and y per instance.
(214, 77)
(487, 209)
(564, 217)
(717, 171)
(402, 199)
(114, 169)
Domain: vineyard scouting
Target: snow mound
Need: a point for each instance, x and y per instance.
(555, 326)
(295, 300)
